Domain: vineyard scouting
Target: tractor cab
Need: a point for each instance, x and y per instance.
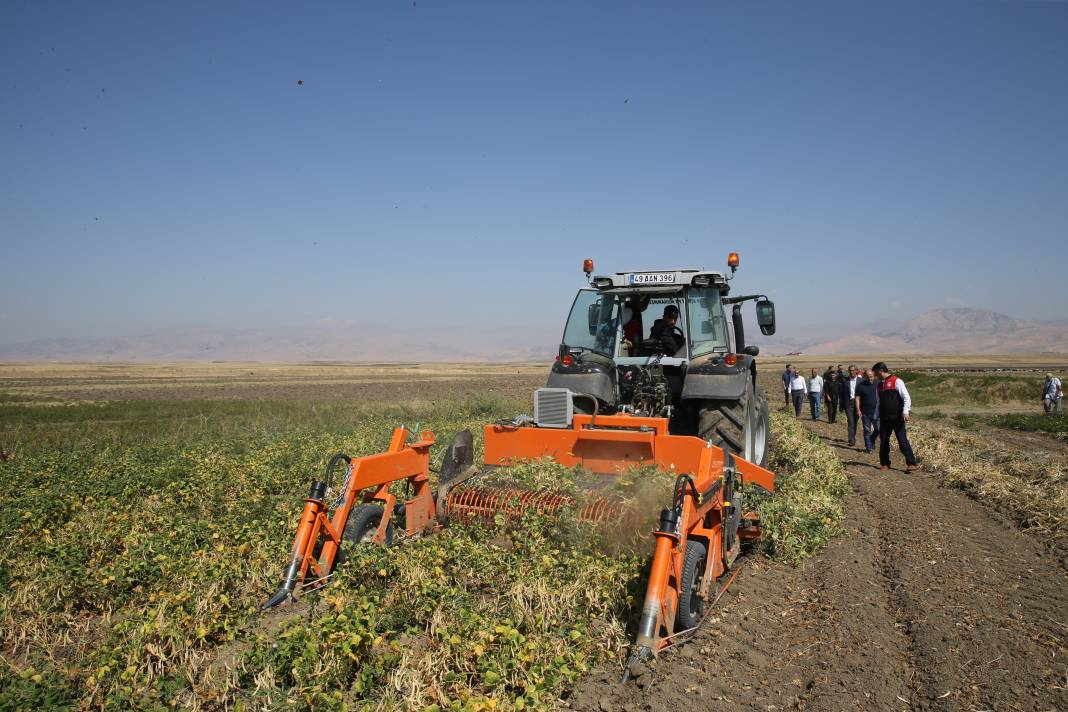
(617, 320)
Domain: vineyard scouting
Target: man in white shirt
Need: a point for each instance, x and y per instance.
(815, 394)
(1052, 395)
(849, 393)
(797, 391)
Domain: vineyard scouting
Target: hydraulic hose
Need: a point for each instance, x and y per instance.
(593, 399)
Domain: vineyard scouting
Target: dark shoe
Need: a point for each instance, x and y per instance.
(867, 452)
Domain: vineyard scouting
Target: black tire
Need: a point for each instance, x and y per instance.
(691, 607)
(361, 526)
(741, 425)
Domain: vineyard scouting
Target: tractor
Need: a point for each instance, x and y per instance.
(696, 375)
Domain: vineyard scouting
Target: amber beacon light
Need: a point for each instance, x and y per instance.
(732, 261)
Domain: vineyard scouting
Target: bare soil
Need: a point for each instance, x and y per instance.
(930, 601)
(257, 381)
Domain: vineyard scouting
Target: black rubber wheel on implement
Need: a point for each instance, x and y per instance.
(691, 606)
(361, 527)
(741, 425)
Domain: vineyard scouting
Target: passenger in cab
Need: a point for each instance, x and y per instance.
(632, 323)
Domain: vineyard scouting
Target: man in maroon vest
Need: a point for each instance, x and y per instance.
(894, 407)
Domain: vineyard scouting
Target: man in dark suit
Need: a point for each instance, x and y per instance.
(832, 394)
(847, 405)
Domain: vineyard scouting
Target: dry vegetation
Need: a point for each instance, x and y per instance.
(1030, 485)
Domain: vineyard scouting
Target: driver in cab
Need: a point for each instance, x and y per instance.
(665, 330)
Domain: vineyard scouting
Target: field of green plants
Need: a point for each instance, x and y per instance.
(139, 539)
(973, 390)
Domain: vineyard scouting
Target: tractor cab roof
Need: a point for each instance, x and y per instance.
(660, 280)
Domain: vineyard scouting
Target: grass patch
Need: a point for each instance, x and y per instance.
(810, 488)
(1034, 422)
(972, 390)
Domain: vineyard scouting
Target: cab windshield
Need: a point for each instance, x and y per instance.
(595, 322)
(708, 325)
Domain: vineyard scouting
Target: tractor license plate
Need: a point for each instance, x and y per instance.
(653, 278)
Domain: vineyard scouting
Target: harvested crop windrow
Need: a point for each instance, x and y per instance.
(810, 489)
(1030, 486)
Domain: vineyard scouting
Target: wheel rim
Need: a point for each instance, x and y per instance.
(696, 603)
(760, 440)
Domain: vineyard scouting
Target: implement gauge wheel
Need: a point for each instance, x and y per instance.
(691, 606)
(361, 527)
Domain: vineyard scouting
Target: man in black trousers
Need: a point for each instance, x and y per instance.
(847, 405)
(787, 376)
(894, 407)
(832, 393)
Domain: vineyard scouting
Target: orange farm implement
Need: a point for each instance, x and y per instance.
(696, 541)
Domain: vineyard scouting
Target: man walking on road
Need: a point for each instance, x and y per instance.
(1052, 393)
(894, 407)
(832, 394)
(797, 391)
(848, 404)
(815, 394)
(787, 376)
(867, 404)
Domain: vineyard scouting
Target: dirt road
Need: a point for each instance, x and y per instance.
(930, 601)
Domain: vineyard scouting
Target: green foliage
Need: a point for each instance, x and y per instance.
(971, 390)
(810, 488)
(133, 564)
(139, 539)
(1034, 422)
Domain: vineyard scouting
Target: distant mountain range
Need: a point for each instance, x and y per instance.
(347, 343)
(963, 331)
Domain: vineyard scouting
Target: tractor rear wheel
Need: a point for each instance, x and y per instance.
(741, 425)
(361, 527)
(691, 606)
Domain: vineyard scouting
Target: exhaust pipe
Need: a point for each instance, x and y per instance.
(313, 504)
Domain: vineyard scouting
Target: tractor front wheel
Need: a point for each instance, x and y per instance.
(740, 425)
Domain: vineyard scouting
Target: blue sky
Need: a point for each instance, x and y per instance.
(454, 162)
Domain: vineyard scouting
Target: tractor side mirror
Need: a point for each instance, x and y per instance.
(765, 310)
(752, 350)
(594, 316)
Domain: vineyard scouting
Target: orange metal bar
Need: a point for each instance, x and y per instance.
(403, 461)
(653, 608)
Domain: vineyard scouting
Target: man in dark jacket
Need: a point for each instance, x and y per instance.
(665, 331)
(894, 407)
(832, 394)
(847, 404)
(867, 398)
(787, 376)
